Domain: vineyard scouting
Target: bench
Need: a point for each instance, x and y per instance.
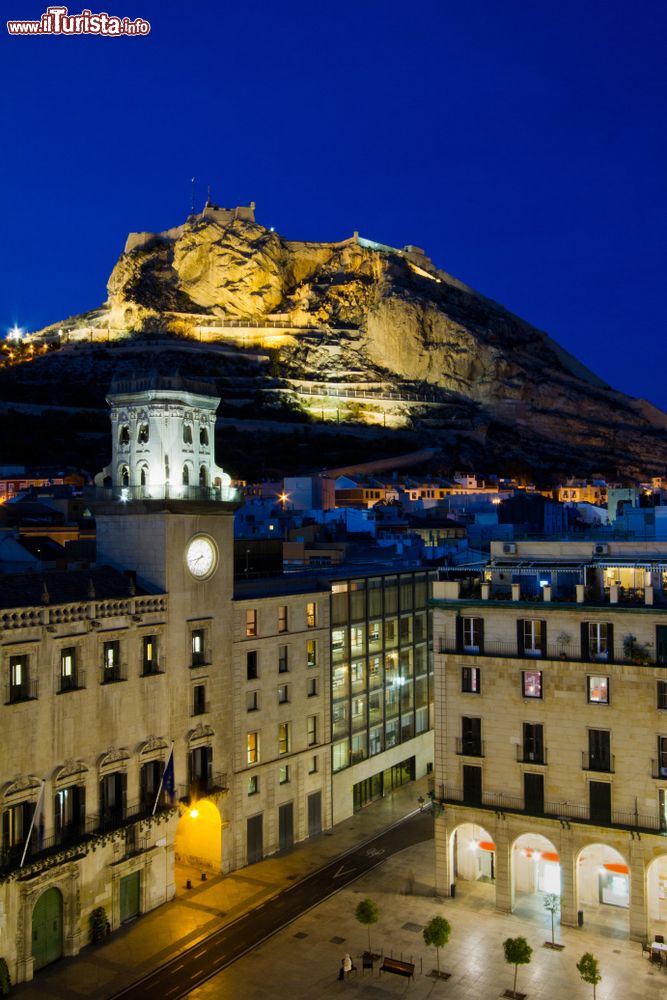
(406, 969)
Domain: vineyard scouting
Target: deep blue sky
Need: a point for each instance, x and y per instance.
(522, 144)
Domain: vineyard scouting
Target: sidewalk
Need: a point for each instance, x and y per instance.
(137, 949)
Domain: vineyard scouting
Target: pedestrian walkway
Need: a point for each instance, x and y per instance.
(138, 948)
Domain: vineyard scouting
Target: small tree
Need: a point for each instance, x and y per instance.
(367, 913)
(589, 970)
(517, 952)
(552, 906)
(437, 933)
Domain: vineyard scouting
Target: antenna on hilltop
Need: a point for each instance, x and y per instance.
(193, 196)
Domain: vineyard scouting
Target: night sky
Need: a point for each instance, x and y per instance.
(521, 144)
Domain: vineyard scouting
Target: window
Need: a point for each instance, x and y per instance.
(471, 634)
(598, 690)
(283, 775)
(311, 653)
(534, 636)
(203, 436)
(312, 687)
(150, 779)
(282, 660)
(149, 654)
(470, 680)
(598, 640)
(69, 810)
(68, 671)
(311, 615)
(19, 681)
(283, 738)
(312, 730)
(200, 770)
(471, 737)
(113, 796)
(111, 662)
(282, 619)
(143, 434)
(187, 434)
(531, 683)
(599, 750)
(533, 743)
(313, 765)
(252, 701)
(199, 706)
(251, 665)
(198, 647)
(124, 435)
(283, 694)
(251, 623)
(662, 757)
(253, 784)
(252, 748)
(662, 694)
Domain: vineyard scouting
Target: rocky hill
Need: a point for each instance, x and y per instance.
(377, 334)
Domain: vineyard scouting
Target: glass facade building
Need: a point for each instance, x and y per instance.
(381, 664)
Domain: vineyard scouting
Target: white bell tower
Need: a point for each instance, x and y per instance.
(163, 440)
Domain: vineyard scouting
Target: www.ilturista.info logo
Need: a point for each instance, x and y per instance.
(58, 21)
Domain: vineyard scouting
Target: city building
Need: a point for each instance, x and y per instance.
(551, 729)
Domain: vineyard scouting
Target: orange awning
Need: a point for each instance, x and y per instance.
(550, 856)
(618, 869)
(487, 845)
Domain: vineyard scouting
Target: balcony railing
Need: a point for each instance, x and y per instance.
(597, 762)
(71, 836)
(553, 651)
(535, 756)
(149, 668)
(565, 811)
(26, 691)
(469, 748)
(126, 494)
(75, 681)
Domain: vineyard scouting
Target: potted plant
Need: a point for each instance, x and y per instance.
(98, 925)
(563, 639)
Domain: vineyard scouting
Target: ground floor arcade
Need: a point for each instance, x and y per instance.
(615, 878)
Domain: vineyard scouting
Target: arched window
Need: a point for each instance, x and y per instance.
(187, 434)
(142, 434)
(203, 476)
(186, 476)
(143, 475)
(124, 435)
(203, 436)
(124, 476)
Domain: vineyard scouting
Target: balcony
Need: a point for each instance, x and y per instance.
(168, 491)
(536, 755)
(603, 763)
(469, 748)
(564, 811)
(76, 681)
(200, 787)
(114, 674)
(554, 651)
(25, 691)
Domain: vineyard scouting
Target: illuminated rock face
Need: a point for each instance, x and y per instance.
(364, 312)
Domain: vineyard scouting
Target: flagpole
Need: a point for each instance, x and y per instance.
(161, 785)
(32, 822)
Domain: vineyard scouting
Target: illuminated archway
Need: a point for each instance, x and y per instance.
(199, 835)
(535, 865)
(656, 895)
(473, 853)
(603, 886)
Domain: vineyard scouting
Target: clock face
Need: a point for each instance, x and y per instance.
(201, 556)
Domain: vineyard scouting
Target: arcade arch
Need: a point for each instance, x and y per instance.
(603, 886)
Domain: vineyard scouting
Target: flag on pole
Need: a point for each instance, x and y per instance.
(167, 781)
(36, 823)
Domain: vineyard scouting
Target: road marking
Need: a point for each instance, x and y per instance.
(175, 989)
(178, 967)
(375, 852)
(344, 871)
(197, 974)
(200, 953)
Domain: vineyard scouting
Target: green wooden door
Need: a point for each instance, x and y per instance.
(129, 896)
(47, 928)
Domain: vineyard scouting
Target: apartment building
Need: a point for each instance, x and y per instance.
(551, 729)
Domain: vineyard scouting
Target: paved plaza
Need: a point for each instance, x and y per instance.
(301, 962)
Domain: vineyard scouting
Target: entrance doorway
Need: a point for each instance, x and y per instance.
(130, 893)
(314, 814)
(255, 835)
(286, 826)
(603, 879)
(47, 928)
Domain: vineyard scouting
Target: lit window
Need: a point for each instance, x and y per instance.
(598, 690)
(282, 619)
(283, 775)
(311, 653)
(283, 738)
(598, 640)
(531, 683)
(311, 615)
(198, 647)
(470, 680)
(251, 622)
(253, 748)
